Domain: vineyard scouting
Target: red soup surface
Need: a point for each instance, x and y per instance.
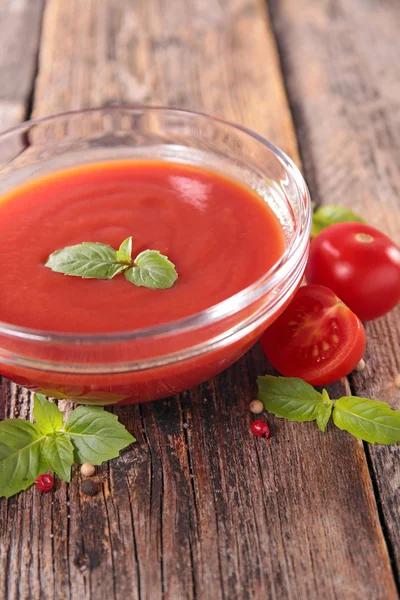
(219, 234)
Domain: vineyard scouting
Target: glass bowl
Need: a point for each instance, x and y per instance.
(158, 361)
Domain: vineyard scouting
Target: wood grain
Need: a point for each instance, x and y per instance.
(20, 24)
(189, 54)
(198, 508)
(344, 88)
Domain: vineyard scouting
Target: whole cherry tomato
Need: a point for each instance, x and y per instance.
(360, 264)
(316, 338)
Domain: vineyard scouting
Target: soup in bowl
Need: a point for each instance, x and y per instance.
(228, 209)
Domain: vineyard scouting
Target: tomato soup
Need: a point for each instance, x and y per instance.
(220, 235)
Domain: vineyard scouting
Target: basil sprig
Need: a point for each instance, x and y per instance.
(295, 400)
(28, 450)
(92, 260)
(330, 214)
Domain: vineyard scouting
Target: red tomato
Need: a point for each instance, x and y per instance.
(360, 264)
(316, 338)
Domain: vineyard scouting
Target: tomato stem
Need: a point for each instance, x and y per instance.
(365, 238)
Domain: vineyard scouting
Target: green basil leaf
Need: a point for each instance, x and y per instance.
(20, 457)
(152, 270)
(331, 214)
(97, 435)
(58, 451)
(124, 254)
(289, 397)
(368, 420)
(324, 411)
(47, 415)
(89, 260)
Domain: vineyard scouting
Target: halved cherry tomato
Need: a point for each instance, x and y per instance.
(360, 264)
(316, 338)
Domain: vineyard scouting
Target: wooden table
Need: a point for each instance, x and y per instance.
(199, 508)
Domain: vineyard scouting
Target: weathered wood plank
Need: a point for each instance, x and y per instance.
(198, 508)
(20, 23)
(344, 86)
(192, 54)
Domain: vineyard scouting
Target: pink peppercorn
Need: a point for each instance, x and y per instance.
(260, 428)
(44, 483)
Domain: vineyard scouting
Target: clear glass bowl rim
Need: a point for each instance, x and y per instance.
(238, 301)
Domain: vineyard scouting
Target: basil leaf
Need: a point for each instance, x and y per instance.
(124, 254)
(20, 456)
(58, 451)
(324, 411)
(96, 434)
(89, 260)
(289, 397)
(152, 270)
(47, 415)
(331, 214)
(368, 420)
(92, 260)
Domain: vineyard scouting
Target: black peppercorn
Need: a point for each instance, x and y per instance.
(89, 487)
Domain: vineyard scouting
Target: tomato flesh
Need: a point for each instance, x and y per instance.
(317, 337)
(360, 264)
